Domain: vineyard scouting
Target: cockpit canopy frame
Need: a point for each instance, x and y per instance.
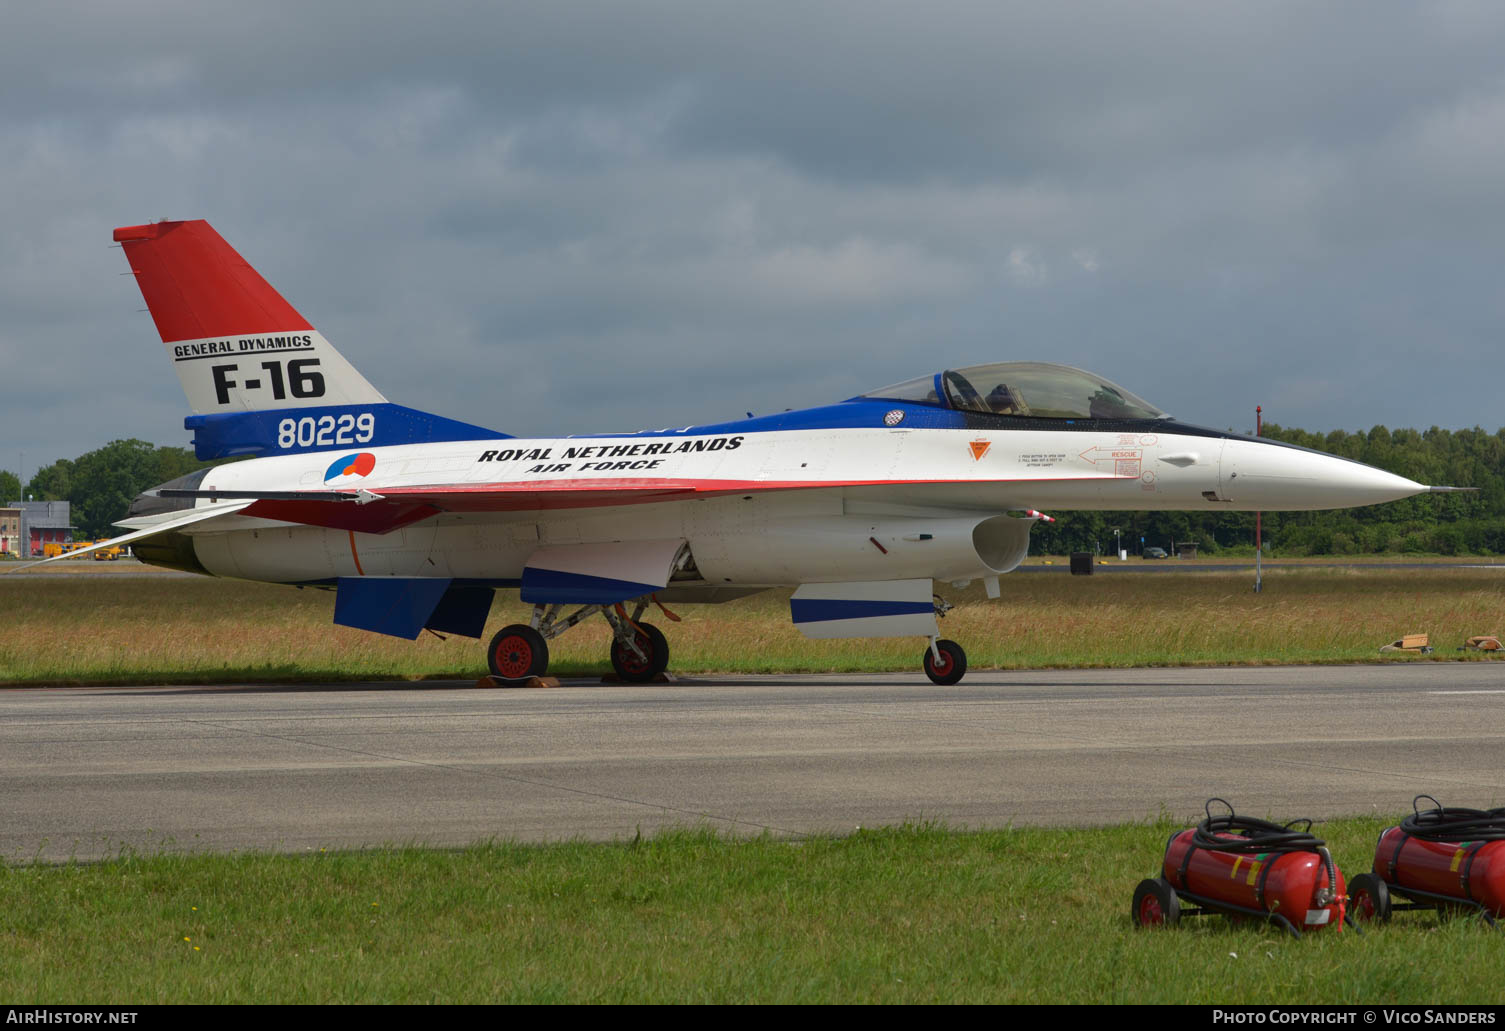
(1039, 390)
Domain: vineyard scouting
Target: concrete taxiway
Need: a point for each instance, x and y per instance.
(85, 772)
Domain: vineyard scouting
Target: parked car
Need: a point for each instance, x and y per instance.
(1155, 553)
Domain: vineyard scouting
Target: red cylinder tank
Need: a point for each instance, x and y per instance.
(1287, 883)
(1464, 870)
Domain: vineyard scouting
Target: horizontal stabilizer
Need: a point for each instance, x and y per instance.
(359, 510)
(197, 515)
(881, 608)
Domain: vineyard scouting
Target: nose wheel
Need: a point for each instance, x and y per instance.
(945, 663)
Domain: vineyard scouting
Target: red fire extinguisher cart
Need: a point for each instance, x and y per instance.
(1243, 867)
(1437, 858)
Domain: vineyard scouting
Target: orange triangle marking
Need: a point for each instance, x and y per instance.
(979, 448)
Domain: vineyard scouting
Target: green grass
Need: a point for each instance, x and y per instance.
(94, 629)
(914, 914)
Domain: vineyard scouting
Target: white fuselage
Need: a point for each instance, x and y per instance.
(769, 507)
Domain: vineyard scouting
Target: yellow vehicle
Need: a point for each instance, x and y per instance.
(110, 554)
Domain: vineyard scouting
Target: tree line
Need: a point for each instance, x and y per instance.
(101, 484)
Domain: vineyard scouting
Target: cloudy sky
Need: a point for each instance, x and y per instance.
(569, 217)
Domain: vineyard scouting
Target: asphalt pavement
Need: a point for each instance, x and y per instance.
(86, 772)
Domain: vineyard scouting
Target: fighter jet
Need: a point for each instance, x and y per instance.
(864, 506)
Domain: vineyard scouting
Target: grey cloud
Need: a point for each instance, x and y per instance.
(565, 217)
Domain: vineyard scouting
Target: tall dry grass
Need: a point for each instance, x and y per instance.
(81, 629)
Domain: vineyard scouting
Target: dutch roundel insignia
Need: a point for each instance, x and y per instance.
(894, 417)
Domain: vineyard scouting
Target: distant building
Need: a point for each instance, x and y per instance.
(40, 523)
(10, 531)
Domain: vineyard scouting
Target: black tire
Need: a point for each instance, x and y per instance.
(1368, 899)
(1156, 904)
(635, 670)
(517, 653)
(953, 664)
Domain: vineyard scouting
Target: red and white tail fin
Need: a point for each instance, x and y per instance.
(236, 344)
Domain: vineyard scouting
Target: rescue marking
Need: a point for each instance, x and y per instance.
(979, 448)
(358, 570)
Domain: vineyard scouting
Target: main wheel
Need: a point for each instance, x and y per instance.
(655, 649)
(953, 664)
(1368, 898)
(1156, 904)
(516, 653)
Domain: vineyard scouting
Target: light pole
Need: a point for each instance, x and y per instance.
(1259, 544)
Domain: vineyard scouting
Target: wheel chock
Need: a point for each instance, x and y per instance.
(659, 678)
(493, 681)
(1416, 644)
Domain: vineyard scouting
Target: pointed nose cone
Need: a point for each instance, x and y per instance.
(1278, 477)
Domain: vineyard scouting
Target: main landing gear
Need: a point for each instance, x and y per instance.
(639, 651)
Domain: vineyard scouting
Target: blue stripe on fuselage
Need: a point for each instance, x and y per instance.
(823, 610)
(859, 413)
(553, 586)
(292, 431)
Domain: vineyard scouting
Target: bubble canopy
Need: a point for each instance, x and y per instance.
(1039, 390)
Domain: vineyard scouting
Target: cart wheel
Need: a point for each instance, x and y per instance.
(1368, 899)
(1156, 904)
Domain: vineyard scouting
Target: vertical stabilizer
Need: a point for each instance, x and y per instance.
(236, 344)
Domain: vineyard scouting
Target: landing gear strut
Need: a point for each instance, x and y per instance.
(944, 661)
(648, 660)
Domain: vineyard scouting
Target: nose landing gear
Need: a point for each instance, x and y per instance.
(945, 663)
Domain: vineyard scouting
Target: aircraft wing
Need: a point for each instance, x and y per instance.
(198, 515)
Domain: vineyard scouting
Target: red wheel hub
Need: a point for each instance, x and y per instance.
(944, 665)
(1363, 904)
(514, 657)
(1150, 911)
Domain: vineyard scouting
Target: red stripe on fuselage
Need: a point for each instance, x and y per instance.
(399, 506)
(591, 493)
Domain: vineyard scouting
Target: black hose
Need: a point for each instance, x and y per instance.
(1260, 836)
(1254, 836)
(1444, 824)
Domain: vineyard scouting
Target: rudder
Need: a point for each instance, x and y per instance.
(259, 377)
